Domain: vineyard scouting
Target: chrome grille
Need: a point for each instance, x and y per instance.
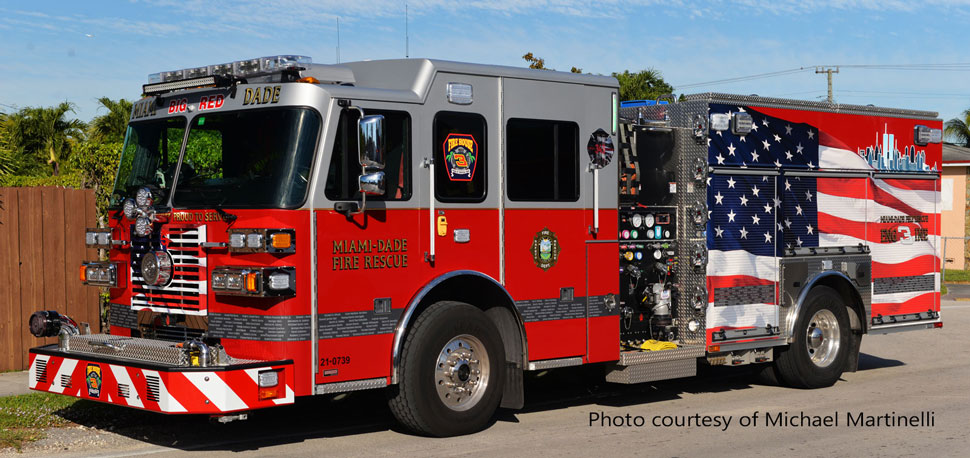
(187, 291)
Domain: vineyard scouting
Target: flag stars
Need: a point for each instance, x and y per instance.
(810, 165)
(787, 186)
(731, 149)
(798, 241)
(765, 122)
(777, 138)
(789, 155)
(767, 237)
(720, 159)
(731, 216)
(755, 190)
(744, 200)
(754, 127)
(798, 209)
(808, 196)
(788, 129)
(777, 202)
(799, 148)
(754, 156)
(768, 208)
(719, 232)
(811, 134)
(731, 182)
(788, 223)
(780, 227)
(718, 198)
(755, 219)
(744, 233)
(767, 146)
(809, 229)
(777, 164)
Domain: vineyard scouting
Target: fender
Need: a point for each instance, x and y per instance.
(793, 312)
(406, 317)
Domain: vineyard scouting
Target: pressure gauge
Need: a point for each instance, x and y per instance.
(648, 220)
(636, 220)
(657, 254)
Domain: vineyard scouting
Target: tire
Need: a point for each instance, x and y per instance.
(817, 356)
(451, 372)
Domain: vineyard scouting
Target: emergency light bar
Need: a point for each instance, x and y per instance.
(238, 69)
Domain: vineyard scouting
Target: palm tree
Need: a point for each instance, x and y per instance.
(6, 146)
(111, 126)
(44, 133)
(959, 129)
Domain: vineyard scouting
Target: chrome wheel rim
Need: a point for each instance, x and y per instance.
(822, 338)
(461, 372)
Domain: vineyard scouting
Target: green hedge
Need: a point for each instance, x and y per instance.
(69, 180)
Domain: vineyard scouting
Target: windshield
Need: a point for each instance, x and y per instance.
(252, 159)
(148, 158)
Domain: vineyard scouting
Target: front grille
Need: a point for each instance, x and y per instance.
(187, 291)
(151, 391)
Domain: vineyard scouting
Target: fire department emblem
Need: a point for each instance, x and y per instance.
(461, 156)
(93, 380)
(545, 249)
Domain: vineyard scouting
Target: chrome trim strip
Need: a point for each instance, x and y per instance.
(745, 171)
(554, 363)
(766, 343)
(354, 385)
(916, 326)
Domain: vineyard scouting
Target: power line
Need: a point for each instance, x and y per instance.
(946, 67)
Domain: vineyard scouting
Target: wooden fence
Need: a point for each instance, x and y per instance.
(41, 250)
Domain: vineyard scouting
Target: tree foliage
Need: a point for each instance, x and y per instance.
(538, 63)
(643, 85)
(958, 130)
(96, 164)
(7, 151)
(111, 126)
(43, 135)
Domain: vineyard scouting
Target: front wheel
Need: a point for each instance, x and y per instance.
(451, 371)
(818, 354)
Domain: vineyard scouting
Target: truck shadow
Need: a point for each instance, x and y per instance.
(366, 411)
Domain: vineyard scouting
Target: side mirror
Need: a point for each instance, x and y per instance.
(371, 142)
(372, 184)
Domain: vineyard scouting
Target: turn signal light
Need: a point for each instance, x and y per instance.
(276, 241)
(272, 392)
(281, 240)
(713, 348)
(938, 324)
(252, 282)
(84, 270)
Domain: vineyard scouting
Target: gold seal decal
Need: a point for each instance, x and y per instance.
(545, 249)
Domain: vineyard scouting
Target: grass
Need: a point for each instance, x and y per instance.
(956, 276)
(23, 418)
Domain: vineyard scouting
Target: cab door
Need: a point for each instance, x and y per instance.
(462, 218)
(544, 219)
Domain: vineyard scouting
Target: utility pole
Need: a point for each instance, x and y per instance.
(829, 71)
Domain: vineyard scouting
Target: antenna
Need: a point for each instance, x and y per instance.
(338, 39)
(407, 51)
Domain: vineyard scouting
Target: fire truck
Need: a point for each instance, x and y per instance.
(435, 229)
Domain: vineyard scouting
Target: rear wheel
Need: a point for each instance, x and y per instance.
(817, 356)
(451, 371)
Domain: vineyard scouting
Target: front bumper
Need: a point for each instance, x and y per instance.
(157, 387)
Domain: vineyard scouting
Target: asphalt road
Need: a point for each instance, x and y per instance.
(915, 373)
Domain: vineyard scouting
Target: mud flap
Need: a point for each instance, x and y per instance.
(513, 396)
(855, 342)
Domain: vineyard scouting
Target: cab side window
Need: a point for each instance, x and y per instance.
(344, 162)
(543, 160)
(460, 157)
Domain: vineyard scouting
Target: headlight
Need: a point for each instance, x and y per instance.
(277, 241)
(254, 281)
(254, 241)
(97, 237)
(143, 227)
(129, 208)
(144, 198)
(156, 268)
(100, 274)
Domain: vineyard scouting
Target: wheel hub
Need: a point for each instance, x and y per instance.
(822, 338)
(461, 373)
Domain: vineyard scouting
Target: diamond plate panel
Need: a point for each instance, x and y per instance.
(631, 358)
(662, 370)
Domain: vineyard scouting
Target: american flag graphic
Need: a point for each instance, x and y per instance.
(754, 217)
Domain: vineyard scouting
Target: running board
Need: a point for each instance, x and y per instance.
(650, 366)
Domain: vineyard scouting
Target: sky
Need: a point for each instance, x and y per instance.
(904, 54)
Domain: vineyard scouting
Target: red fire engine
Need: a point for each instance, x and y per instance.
(281, 229)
